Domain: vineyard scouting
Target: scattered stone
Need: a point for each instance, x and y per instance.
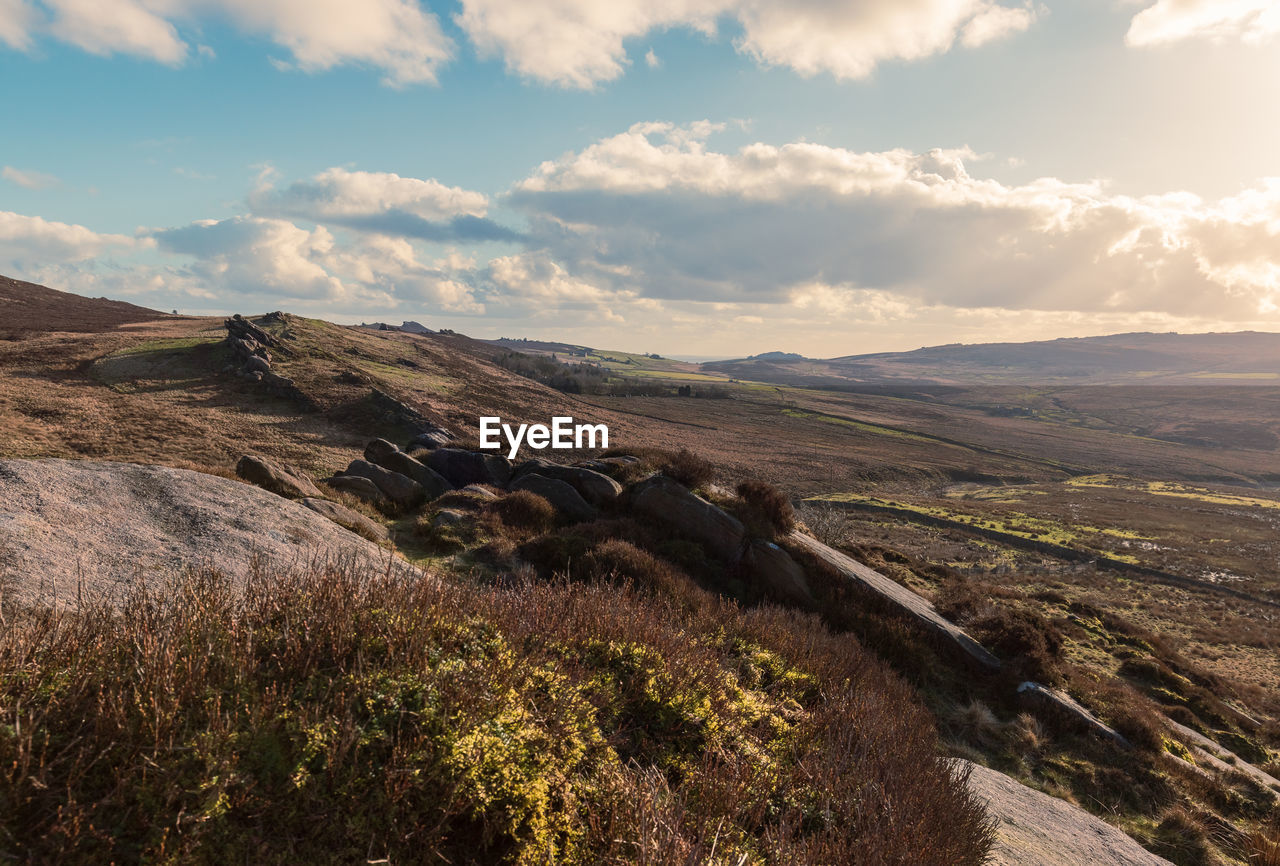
(562, 496)
(390, 411)
(620, 460)
(668, 501)
(596, 488)
(461, 467)
(359, 487)
(280, 478)
(781, 575)
(477, 490)
(1221, 758)
(258, 364)
(348, 519)
(448, 517)
(899, 598)
(432, 439)
(379, 449)
(433, 483)
(1046, 700)
(400, 489)
(239, 326)
(1035, 828)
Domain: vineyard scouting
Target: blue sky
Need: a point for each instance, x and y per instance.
(698, 177)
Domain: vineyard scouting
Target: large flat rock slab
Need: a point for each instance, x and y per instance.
(896, 596)
(1034, 829)
(72, 526)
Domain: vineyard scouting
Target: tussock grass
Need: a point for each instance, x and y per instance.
(333, 716)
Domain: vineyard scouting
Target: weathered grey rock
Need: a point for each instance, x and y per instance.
(280, 478)
(433, 484)
(620, 460)
(348, 519)
(400, 489)
(431, 439)
(461, 467)
(79, 528)
(1035, 829)
(448, 517)
(1222, 759)
(773, 568)
(238, 326)
(898, 597)
(562, 496)
(255, 363)
(477, 490)
(359, 487)
(378, 449)
(253, 376)
(1042, 699)
(668, 501)
(596, 488)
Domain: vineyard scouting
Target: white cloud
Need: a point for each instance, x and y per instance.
(28, 240)
(656, 212)
(29, 179)
(534, 287)
(996, 23)
(337, 192)
(580, 43)
(398, 37)
(651, 60)
(107, 27)
(17, 19)
(1175, 20)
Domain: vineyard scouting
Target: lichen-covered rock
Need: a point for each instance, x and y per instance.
(667, 501)
(280, 478)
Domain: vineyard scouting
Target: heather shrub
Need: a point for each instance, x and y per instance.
(523, 511)
(764, 509)
(689, 469)
(332, 716)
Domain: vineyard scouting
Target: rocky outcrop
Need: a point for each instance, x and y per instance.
(667, 501)
(431, 439)
(253, 360)
(401, 490)
(279, 478)
(1043, 700)
(595, 487)
(1035, 828)
(81, 528)
(1210, 753)
(389, 411)
(898, 598)
(461, 468)
(562, 496)
(348, 519)
(389, 457)
(772, 568)
(361, 488)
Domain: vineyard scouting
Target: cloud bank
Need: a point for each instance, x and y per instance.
(1251, 21)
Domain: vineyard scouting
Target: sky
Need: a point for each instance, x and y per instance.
(709, 178)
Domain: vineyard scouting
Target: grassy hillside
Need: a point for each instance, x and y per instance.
(1115, 543)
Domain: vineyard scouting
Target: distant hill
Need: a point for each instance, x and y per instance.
(540, 347)
(1243, 358)
(28, 308)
